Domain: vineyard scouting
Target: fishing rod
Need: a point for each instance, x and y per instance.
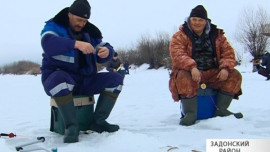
(20, 148)
(10, 135)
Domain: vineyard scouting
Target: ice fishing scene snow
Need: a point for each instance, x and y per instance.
(140, 76)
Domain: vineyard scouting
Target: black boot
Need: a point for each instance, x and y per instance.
(67, 110)
(103, 109)
(189, 106)
(223, 102)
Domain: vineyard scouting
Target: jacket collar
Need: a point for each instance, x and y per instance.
(62, 19)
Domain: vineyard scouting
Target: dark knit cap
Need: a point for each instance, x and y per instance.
(115, 54)
(199, 11)
(81, 8)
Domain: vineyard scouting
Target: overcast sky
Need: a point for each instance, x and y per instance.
(122, 22)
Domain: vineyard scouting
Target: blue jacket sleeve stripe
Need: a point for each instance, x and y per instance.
(48, 32)
(60, 87)
(69, 59)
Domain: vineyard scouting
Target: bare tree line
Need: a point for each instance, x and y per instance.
(152, 51)
(252, 32)
(21, 67)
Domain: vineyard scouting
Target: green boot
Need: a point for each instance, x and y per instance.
(189, 106)
(67, 110)
(223, 102)
(103, 109)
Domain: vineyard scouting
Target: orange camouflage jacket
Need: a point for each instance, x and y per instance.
(181, 53)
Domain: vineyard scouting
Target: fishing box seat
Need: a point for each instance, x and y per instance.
(206, 103)
(84, 111)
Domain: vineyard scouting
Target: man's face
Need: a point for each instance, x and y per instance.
(76, 22)
(197, 24)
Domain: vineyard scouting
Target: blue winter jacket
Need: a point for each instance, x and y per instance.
(266, 61)
(58, 45)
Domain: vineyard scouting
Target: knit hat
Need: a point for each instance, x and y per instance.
(81, 8)
(115, 54)
(198, 11)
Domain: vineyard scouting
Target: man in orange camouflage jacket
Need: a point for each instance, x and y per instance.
(201, 54)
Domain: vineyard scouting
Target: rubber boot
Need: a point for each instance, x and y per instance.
(103, 109)
(223, 102)
(68, 112)
(189, 107)
(268, 77)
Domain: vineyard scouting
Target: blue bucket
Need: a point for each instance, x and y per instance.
(207, 99)
(206, 106)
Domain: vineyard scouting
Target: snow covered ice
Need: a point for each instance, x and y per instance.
(145, 111)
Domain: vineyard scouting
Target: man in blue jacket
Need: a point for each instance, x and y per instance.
(265, 71)
(72, 47)
(266, 63)
(115, 65)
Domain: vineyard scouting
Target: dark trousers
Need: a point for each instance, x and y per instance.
(61, 83)
(262, 71)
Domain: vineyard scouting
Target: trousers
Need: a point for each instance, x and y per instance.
(61, 83)
(182, 84)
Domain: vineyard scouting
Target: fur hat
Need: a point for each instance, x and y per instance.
(199, 11)
(81, 8)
